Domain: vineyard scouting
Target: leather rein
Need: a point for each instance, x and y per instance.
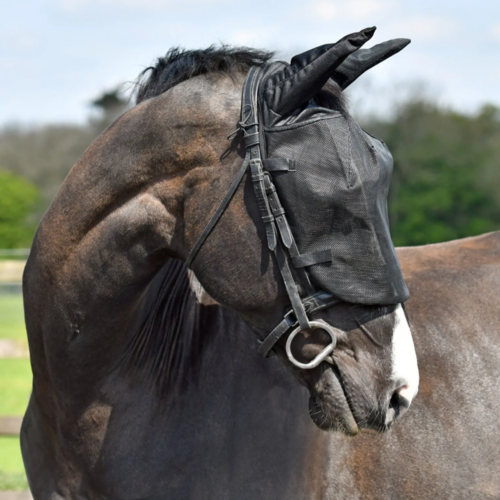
(275, 223)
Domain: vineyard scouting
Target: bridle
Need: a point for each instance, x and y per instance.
(278, 234)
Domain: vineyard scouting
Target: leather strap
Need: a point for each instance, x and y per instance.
(220, 210)
(278, 212)
(266, 346)
(291, 288)
(251, 140)
(278, 165)
(265, 210)
(312, 258)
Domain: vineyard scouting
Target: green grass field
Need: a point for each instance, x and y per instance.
(12, 476)
(10, 455)
(15, 388)
(12, 317)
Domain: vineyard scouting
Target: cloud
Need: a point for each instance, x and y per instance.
(262, 36)
(427, 28)
(78, 5)
(393, 17)
(495, 32)
(19, 39)
(329, 10)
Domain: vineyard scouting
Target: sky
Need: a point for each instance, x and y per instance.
(58, 55)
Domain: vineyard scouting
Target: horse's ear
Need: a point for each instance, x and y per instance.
(308, 72)
(362, 60)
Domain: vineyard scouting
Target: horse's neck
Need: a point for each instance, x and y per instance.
(119, 214)
(251, 417)
(214, 394)
(99, 246)
(115, 175)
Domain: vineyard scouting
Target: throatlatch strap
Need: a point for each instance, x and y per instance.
(218, 213)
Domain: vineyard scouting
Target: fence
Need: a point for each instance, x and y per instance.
(10, 253)
(12, 262)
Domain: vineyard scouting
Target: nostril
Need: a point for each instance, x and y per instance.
(399, 403)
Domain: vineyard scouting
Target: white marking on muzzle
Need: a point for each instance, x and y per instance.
(201, 295)
(404, 358)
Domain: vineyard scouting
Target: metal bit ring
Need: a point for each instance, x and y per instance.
(323, 355)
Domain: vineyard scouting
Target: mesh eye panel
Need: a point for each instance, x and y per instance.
(336, 199)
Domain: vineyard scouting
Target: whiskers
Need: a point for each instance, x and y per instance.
(319, 410)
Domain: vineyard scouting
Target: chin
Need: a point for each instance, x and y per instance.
(327, 420)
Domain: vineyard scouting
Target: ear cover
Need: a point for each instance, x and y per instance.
(363, 60)
(294, 85)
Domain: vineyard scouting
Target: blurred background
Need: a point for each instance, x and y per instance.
(67, 69)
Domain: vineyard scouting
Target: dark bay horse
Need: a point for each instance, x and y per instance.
(142, 392)
(251, 438)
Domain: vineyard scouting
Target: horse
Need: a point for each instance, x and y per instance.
(445, 447)
(138, 388)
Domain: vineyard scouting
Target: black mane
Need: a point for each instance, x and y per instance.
(168, 350)
(179, 65)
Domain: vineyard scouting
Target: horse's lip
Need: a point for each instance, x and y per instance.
(381, 428)
(334, 405)
(338, 374)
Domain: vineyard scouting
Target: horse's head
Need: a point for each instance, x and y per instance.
(341, 231)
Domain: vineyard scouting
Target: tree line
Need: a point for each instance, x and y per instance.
(34, 161)
(444, 186)
(446, 172)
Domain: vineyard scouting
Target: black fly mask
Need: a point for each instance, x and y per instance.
(321, 183)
